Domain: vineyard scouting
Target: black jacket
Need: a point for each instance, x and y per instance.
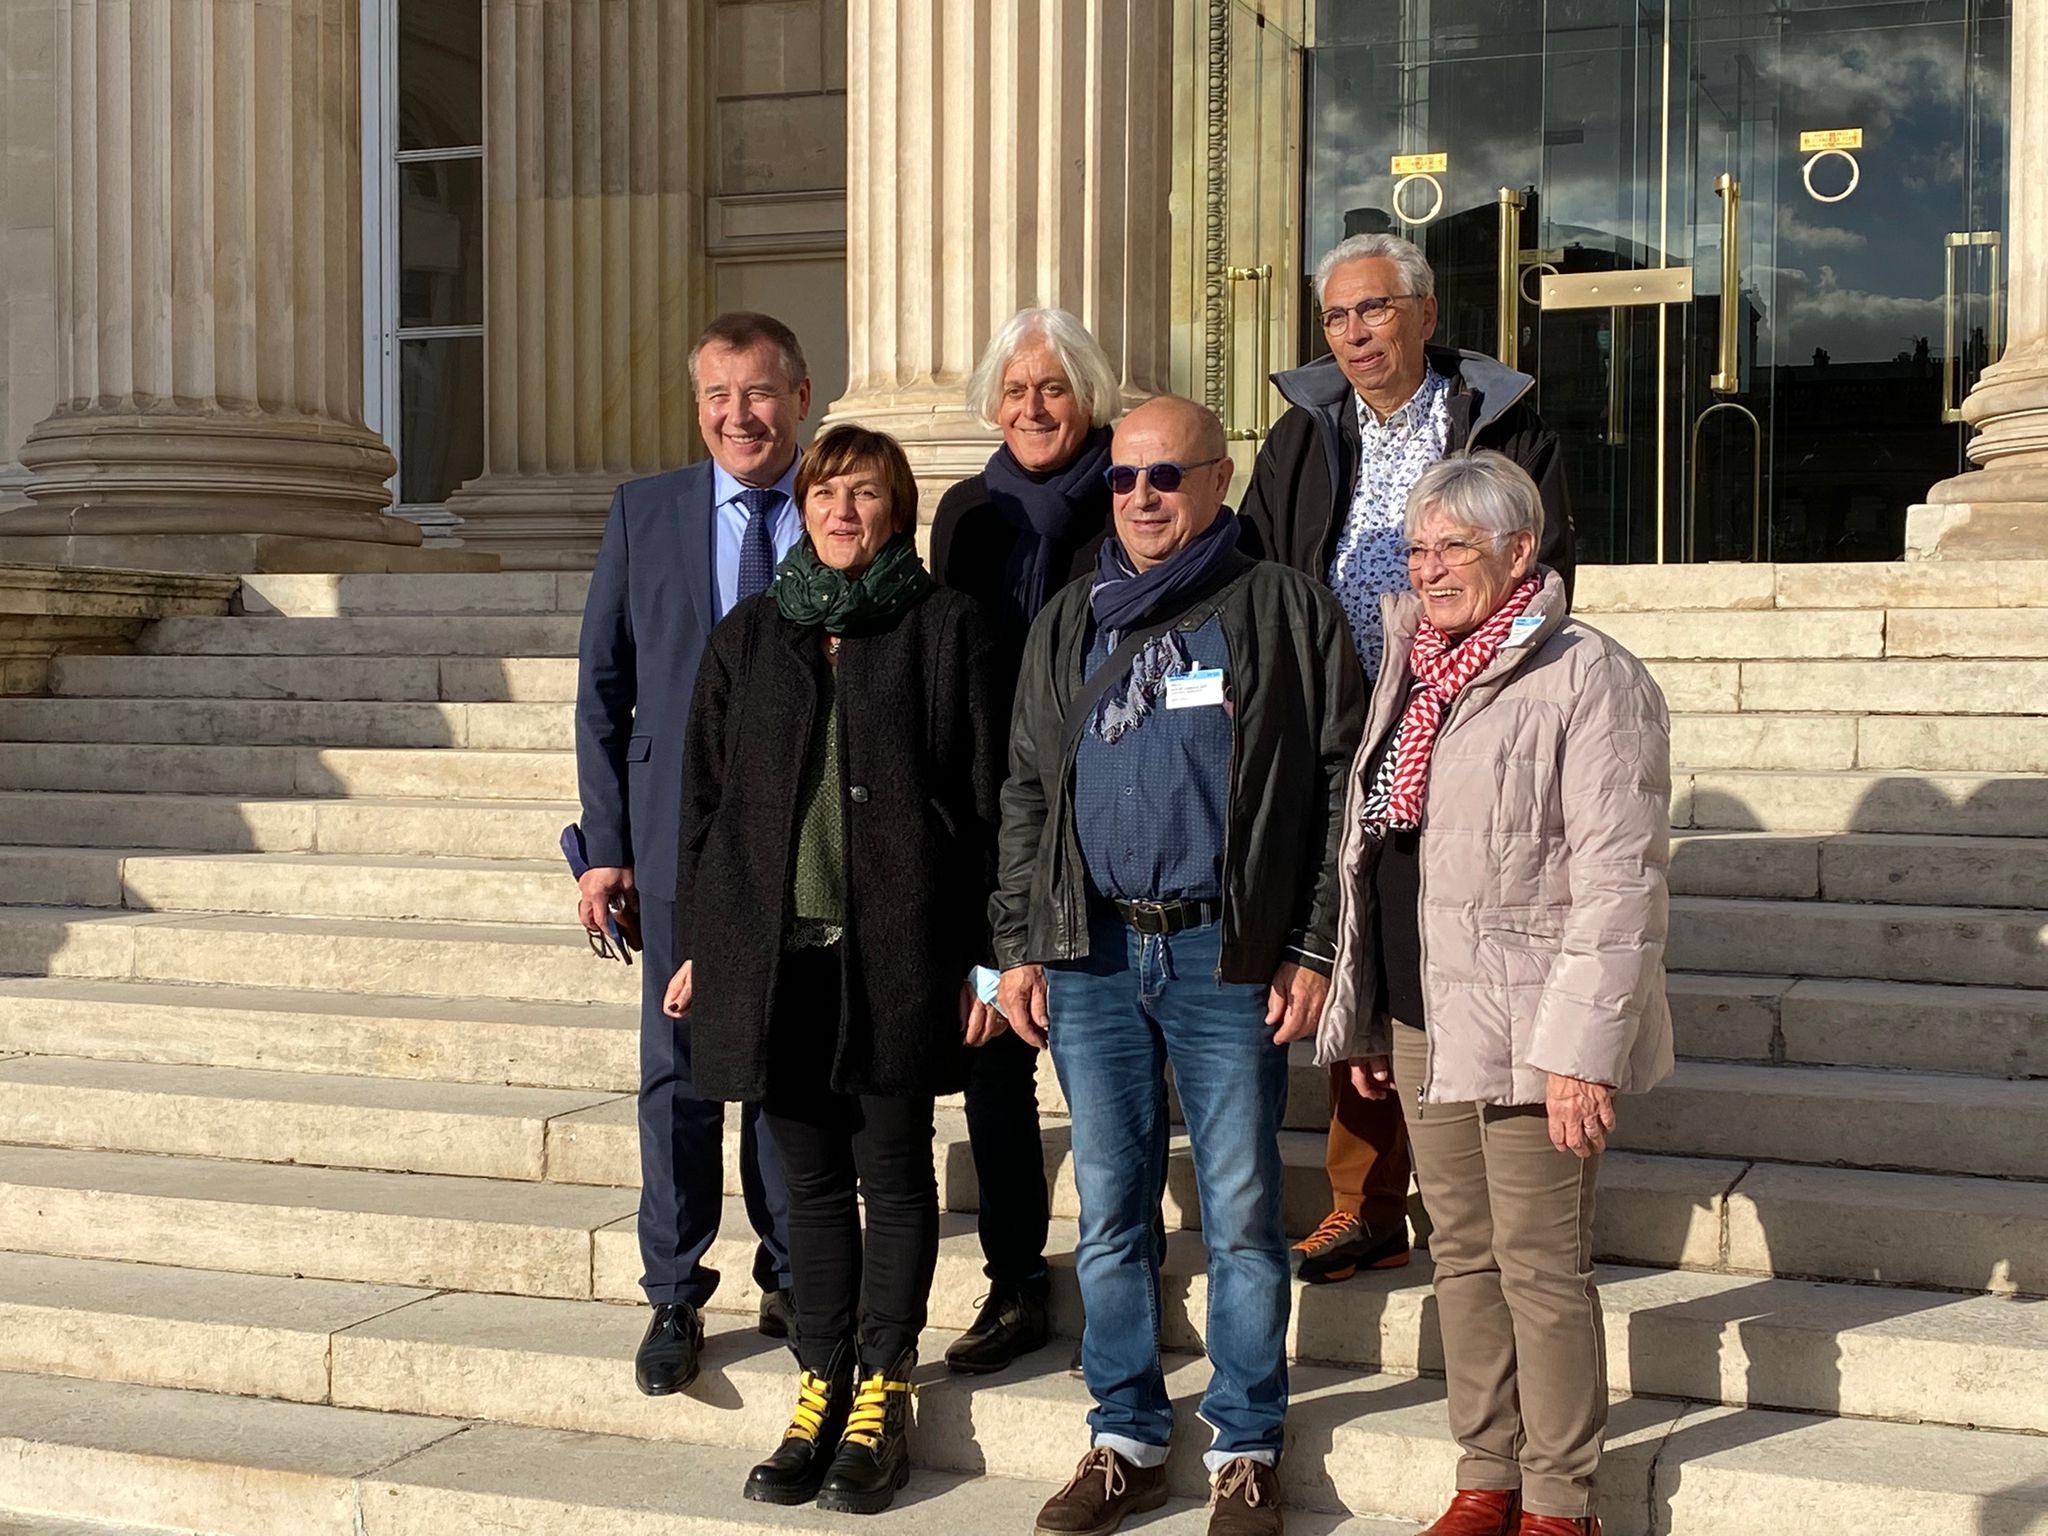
(1298, 705)
(921, 758)
(1301, 485)
(971, 544)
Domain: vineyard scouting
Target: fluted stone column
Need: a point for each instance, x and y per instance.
(595, 118)
(1000, 154)
(2000, 511)
(209, 295)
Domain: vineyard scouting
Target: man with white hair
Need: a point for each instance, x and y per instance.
(1327, 497)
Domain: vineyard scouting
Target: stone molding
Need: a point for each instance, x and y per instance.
(46, 611)
(776, 224)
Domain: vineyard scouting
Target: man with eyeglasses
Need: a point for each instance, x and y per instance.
(680, 550)
(1327, 497)
(1166, 892)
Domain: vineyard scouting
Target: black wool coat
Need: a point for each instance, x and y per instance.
(922, 746)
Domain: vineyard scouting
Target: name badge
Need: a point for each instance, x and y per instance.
(1523, 630)
(1192, 690)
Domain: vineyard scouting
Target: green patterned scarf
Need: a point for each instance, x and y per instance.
(810, 592)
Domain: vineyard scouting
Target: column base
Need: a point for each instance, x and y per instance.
(1982, 530)
(13, 488)
(537, 522)
(944, 442)
(233, 554)
(215, 472)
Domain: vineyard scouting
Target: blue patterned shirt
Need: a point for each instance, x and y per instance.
(1150, 809)
(1391, 457)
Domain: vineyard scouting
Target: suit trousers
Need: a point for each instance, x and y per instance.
(1367, 1157)
(682, 1149)
(1511, 1235)
(1009, 1160)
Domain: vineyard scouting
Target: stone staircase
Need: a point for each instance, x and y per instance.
(315, 1198)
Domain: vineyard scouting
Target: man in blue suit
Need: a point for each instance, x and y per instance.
(680, 550)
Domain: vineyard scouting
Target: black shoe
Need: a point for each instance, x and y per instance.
(1344, 1244)
(667, 1361)
(778, 1315)
(795, 1468)
(1013, 1322)
(873, 1459)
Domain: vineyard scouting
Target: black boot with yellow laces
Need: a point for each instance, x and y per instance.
(792, 1474)
(874, 1453)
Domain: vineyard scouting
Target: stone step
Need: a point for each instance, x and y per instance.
(1881, 867)
(410, 678)
(293, 884)
(1969, 632)
(1936, 743)
(441, 634)
(547, 1045)
(289, 723)
(1720, 588)
(1896, 687)
(235, 773)
(517, 593)
(238, 1466)
(415, 825)
(1995, 1031)
(430, 1230)
(1377, 1443)
(1970, 946)
(402, 1125)
(552, 964)
(1810, 634)
(1947, 804)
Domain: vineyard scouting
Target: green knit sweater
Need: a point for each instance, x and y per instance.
(817, 875)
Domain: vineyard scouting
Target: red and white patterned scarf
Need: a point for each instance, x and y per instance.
(1442, 667)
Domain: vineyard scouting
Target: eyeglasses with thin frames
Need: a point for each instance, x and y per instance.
(1165, 477)
(1453, 552)
(601, 947)
(1375, 314)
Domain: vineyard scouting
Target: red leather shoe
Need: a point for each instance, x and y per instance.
(1558, 1525)
(1480, 1512)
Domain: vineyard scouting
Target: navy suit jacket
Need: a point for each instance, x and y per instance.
(651, 608)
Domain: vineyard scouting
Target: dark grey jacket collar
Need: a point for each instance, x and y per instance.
(1320, 386)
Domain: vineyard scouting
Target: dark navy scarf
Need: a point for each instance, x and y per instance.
(1124, 597)
(1054, 514)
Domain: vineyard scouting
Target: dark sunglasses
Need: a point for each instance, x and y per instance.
(1165, 477)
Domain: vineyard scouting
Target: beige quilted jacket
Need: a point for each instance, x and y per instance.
(1546, 831)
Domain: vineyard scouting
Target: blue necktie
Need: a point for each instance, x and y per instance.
(757, 544)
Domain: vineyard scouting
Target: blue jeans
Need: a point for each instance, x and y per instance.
(1118, 1018)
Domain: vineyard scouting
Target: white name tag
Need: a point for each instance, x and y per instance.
(1192, 690)
(1523, 630)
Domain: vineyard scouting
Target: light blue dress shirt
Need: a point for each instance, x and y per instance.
(729, 527)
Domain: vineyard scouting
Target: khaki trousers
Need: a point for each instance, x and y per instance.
(1367, 1154)
(1525, 1357)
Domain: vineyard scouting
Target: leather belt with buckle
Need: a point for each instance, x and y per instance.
(1157, 919)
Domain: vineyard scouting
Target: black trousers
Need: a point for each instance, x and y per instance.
(1009, 1160)
(840, 1152)
(682, 1149)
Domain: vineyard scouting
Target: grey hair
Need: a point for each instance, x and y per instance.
(1414, 267)
(1080, 356)
(1485, 490)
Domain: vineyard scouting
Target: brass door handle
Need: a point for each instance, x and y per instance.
(1952, 387)
(1263, 276)
(1508, 279)
(1728, 366)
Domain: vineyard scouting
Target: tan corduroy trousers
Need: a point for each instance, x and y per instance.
(1525, 1358)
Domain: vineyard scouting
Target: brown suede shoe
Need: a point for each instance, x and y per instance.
(1244, 1500)
(1480, 1512)
(1103, 1489)
(1558, 1525)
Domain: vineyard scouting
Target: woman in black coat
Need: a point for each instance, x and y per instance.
(1010, 537)
(837, 854)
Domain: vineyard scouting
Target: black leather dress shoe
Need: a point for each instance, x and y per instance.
(1012, 1323)
(667, 1361)
(778, 1315)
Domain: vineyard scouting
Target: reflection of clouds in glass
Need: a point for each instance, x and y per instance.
(1854, 325)
(1793, 229)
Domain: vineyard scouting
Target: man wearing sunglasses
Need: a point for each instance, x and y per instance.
(1166, 892)
(1327, 497)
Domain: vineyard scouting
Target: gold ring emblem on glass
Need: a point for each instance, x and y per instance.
(1435, 207)
(1806, 175)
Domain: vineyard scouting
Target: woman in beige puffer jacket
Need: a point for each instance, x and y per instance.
(1500, 966)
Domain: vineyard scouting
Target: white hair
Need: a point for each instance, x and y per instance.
(1414, 267)
(1089, 371)
(1484, 490)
